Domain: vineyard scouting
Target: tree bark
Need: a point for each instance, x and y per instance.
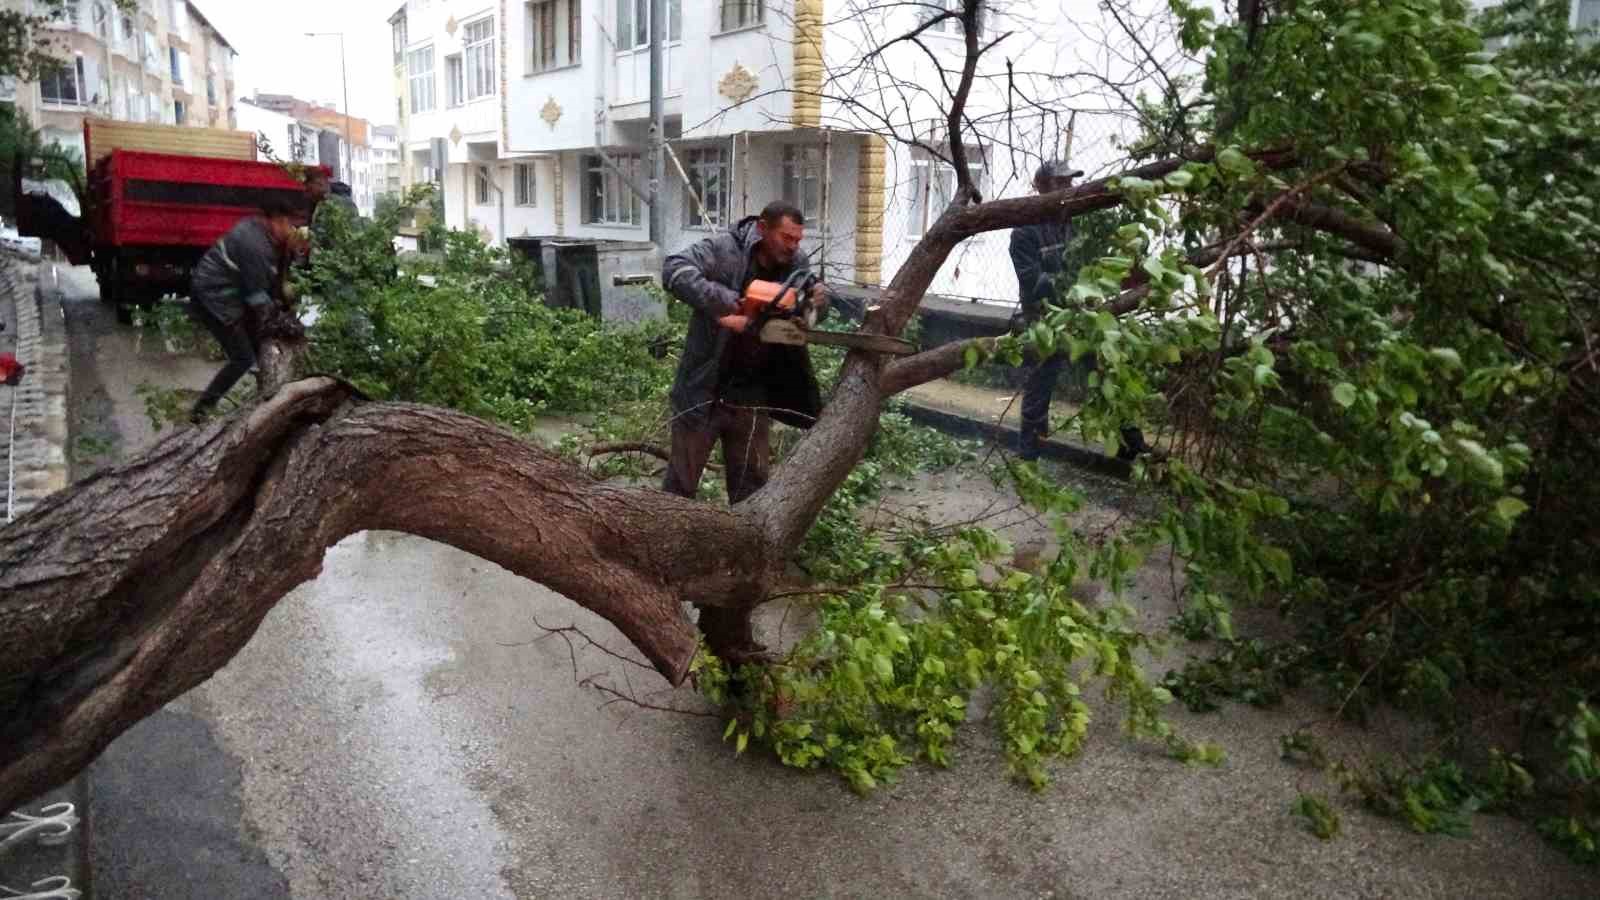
(122, 593)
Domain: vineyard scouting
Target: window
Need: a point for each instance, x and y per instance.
(802, 179)
(1588, 17)
(633, 22)
(130, 37)
(555, 34)
(419, 63)
(952, 26)
(454, 83)
(607, 200)
(742, 13)
(179, 112)
(527, 187)
(399, 31)
(63, 85)
(152, 108)
(177, 74)
(933, 186)
(479, 40)
(66, 16)
(709, 176)
(211, 89)
(177, 21)
(150, 57)
(102, 22)
(483, 186)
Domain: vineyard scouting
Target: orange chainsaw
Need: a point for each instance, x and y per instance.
(785, 313)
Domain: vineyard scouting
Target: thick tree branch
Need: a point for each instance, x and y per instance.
(1375, 239)
(134, 586)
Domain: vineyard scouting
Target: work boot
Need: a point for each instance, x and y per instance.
(1028, 440)
(1132, 445)
(201, 411)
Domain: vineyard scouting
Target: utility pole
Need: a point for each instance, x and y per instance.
(658, 130)
(349, 147)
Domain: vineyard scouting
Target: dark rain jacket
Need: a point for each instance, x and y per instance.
(1036, 253)
(240, 270)
(710, 276)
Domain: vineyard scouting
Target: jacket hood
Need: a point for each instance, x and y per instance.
(744, 231)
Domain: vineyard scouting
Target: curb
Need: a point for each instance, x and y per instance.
(44, 846)
(40, 451)
(1006, 435)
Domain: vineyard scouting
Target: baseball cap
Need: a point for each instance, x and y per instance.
(1056, 168)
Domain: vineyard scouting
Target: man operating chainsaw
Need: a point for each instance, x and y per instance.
(730, 384)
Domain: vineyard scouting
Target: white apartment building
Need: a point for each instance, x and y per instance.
(1585, 14)
(162, 62)
(317, 133)
(764, 100)
(521, 93)
(386, 177)
(281, 132)
(361, 178)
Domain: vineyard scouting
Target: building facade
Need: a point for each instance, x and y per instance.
(386, 175)
(327, 137)
(1583, 16)
(515, 106)
(162, 62)
(528, 99)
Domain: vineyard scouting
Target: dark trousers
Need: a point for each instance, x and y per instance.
(236, 342)
(1036, 393)
(746, 450)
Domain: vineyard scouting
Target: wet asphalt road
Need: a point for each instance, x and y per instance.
(396, 729)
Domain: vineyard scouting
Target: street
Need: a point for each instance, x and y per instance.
(399, 729)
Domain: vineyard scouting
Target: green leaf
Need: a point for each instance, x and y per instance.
(883, 666)
(1366, 42)
(744, 740)
(1344, 394)
(969, 357)
(1233, 162)
(1179, 179)
(728, 732)
(1481, 460)
(1446, 355)
(1508, 508)
(1276, 560)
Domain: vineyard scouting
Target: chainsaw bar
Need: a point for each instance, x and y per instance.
(785, 331)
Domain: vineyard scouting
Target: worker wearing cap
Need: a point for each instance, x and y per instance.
(1037, 253)
(328, 199)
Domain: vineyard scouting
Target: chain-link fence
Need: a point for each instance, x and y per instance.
(868, 201)
(920, 186)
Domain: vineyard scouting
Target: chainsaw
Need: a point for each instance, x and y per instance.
(785, 313)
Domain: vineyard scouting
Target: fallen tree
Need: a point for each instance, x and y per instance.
(135, 585)
(1371, 336)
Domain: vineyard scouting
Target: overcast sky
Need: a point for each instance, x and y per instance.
(276, 57)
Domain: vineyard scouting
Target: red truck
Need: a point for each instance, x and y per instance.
(148, 215)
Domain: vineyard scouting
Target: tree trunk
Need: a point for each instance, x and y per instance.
(122, 593)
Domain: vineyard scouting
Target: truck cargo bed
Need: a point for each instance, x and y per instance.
(159, 200)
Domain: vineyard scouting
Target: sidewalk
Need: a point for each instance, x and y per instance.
(44, 845)
(993, 414)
